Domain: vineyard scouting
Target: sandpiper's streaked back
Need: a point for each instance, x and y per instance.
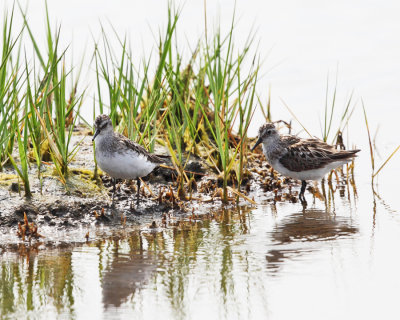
(120, 157)
(302, 159)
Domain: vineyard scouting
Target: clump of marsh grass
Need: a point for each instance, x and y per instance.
(132, 103)
(193, 109)
(38, 115)
(11, 127)
(223, 73)
(23, 155)
(10, 87)
(53, 111)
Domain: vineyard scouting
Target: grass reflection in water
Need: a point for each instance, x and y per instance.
(213, 260)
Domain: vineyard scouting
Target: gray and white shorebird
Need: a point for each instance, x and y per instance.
(120, 157)
(301, 159)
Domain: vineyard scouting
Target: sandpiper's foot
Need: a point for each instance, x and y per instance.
(303, 202)
(134, 206)
(302, 198)
(113, 180)
(138, 192)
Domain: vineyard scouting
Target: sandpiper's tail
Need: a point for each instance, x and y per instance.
(159, 158)
(344, 154)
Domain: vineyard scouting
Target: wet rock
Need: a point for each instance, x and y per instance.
(195, 166)
(14, 187)
(66, 223)
(102, 219)
(59, 211)
(163, 175)
(76, 213)
(31, 211)
(11, 221)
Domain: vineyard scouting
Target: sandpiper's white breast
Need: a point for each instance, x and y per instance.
(313, 174)
(127, 165)
(122, 164)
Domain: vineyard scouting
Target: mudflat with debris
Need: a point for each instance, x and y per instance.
(83, 205)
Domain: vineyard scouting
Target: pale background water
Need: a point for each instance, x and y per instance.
(352, 276)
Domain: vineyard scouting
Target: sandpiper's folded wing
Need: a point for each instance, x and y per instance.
(140, 150)
(309, 154)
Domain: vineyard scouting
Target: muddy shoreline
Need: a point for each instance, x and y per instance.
(84, 206)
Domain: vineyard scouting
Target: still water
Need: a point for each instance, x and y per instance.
(336, 259)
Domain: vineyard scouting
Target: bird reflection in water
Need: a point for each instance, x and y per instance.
(303, 232)
(128, 272)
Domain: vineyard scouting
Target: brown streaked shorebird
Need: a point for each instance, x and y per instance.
(120, 157)
(301, 159)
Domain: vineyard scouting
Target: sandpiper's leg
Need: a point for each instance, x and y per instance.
(302, 190)
(114, 188)
(138, 191)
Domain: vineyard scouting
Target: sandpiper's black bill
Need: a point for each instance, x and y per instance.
(95, 134)
(257, 143)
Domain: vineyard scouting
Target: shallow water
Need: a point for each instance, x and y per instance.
(334, 259)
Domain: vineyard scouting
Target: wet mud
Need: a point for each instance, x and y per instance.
(84, 204)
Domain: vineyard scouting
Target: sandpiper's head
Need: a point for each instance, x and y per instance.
(267, 133)
(102, 125)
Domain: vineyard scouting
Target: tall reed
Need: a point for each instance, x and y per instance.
(23, 153)
(226, 83)
(330, 113)
(372, 150)
(10, 86)
(53, 111)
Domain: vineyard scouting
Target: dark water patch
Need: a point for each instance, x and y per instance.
(304, 232)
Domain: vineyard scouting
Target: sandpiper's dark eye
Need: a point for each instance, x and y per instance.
(269, 132)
